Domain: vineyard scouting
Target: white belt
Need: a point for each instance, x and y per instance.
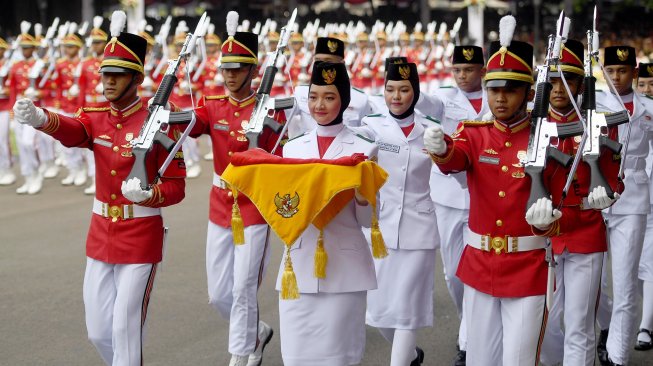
(218, 182)
(506, 244)
(635, 162)
(123, 211)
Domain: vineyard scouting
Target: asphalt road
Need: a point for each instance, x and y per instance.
(42, 259)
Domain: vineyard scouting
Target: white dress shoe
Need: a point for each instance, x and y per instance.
(238, 360)
(24, 188)
(70, 178)
(80, 178)
(51, 170)
(35, 185)
(90, 189)
(193, 171)
(7, 177)
(265, 333)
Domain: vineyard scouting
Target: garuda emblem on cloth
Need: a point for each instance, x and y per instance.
(329, 76)
(286, 205)
(468, 53)
(404, 72)
(622, 54)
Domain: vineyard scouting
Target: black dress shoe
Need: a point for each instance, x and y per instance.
(420, 357)
(601, 349)
(461, 359)
(644, 346)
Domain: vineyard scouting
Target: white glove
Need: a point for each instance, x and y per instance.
(434, 140)
(132, 191)
(99, 88)
(598, 199)
(74, 90)
(149, 104)
(542, 214)
(26, 113)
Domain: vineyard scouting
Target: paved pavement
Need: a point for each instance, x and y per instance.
(41, 271)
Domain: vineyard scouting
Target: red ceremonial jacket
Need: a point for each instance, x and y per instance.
(65, 79)
(589, 233)
(107, 132)
(88, 82)
(499, 189)
(225, 120)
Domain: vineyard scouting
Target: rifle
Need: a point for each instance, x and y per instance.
(159, 119)
(266, 105)
(53, 52)
(545, 135)
(161, 51)
(596, 124)
(205, 56)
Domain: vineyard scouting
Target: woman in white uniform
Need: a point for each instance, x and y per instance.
(326, 325)
(403, 301)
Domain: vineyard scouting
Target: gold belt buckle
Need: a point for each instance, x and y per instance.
(498, 243)
(115, 212)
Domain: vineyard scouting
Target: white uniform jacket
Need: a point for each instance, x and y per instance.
(406, 211)
(635, 198)
(359, 107)
(447, 190)
(350, 266)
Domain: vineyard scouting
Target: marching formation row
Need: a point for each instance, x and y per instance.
(524, 191)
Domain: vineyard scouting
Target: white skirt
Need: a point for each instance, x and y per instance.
(404, 297)
(323, 329)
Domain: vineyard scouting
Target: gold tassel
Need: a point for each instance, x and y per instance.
(321, 257)
(289, 289)
(378, 245)
(237, 226)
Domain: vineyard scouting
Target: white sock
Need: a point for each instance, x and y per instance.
(403, 347)
(647, 311)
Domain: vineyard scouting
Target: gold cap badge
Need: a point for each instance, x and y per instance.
(404, 72)
(468, 53)
(333, 46)
(329, 76)
(622, 54)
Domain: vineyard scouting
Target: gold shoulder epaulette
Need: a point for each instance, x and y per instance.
(95, 109)
(470, 123)
(213, 97)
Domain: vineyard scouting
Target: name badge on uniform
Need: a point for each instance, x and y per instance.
(488, 160)
(389, 147)
(101, 142)
(220, 127)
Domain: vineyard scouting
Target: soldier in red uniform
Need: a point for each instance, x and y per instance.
(125, 239)
(297, 55)
(7, 176)
(234, 272)
(579, 252)
(503, 264)
(26, 138)
(90, 86)
(68, 102)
